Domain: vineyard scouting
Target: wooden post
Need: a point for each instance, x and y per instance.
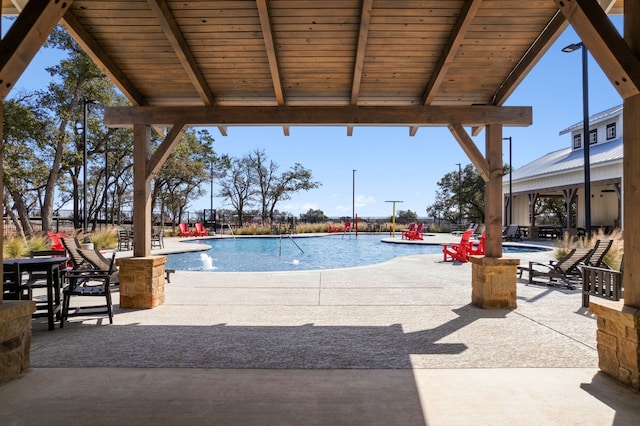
(493, 191)
(631, 172)
(141, 191)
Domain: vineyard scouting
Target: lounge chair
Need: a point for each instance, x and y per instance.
(458, 251)
(200, 231)
(411, 229)
(566, 270)
(184, 231)
(72, 245)
(157, 239)
(598, 253)
(98, 262)
(80, 284)
(511, 233)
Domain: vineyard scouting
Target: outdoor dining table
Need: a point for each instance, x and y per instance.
(50, 265)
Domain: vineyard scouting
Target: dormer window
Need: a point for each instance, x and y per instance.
(611, 131)
(577, 141)
(593, 136)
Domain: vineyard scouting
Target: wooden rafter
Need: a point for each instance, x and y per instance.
(468, 12)
(101, 59)
(609, 49)
(554, 28)
(472, 151)
(319, 116)
(267, 34)
(181, 49)
(363, 35)
(24, 38)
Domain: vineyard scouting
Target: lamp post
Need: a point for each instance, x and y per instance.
(211, 218)
(586, 139)
(459, 193)
(85, 223)
(510, 182)
(393, 216)
(353, 198)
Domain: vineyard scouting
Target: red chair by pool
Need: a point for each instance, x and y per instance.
(458, 251)
(416, 234)
(479, 249)
(184, 231)
(200, 231)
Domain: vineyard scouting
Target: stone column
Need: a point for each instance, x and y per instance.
(493, 282)
(15, 338)
(618, 338)
(142, 281)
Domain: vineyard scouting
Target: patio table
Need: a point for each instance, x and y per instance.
(51, 266)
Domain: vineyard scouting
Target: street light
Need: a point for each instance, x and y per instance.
(510, 181)
(85, 223)
(586, 139)
(459, 193)
(353, 198)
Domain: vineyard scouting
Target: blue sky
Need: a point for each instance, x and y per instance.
(391, 165)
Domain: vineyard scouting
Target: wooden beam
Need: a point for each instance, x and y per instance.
(547, 37)
(363, 36)
(25, 37)
(413, 130)
(493, 191)
(319, 116)
(472, 151)
(608, 48)
(181, 48)
(101, 59)
(162, 152)
(267, 35)
(468, 12)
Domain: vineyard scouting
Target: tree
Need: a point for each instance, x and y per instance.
(406, 216)
(313, 216)
(274, 188)
(239, 185)
(181, 177)
(466, 190)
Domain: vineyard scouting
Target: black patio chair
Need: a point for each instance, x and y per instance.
(89, 283)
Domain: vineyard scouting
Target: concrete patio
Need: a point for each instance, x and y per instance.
(396, 343)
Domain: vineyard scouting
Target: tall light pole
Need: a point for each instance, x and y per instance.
(211, 218)
(586, 139)
(459, 193)
(85, 222)
(510, 182)
(353, 198)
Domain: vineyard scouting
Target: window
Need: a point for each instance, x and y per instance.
(577, 141)
(611, 131)
(593, 136)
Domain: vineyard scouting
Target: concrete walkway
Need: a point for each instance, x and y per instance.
(391, 344)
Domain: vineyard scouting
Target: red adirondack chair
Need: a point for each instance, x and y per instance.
(200, 231)
(416, 234)
(407, 232)
(458, 251)
(184, 231)
(479, 249)
(347, 227)
(333, 228)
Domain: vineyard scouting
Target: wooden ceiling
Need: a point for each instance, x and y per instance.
(315, 53)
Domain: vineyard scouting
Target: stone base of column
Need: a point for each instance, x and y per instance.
(618, 340)
(141, 281)
(493, 282)
(15, 338)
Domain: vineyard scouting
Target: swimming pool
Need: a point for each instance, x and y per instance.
(262, 254)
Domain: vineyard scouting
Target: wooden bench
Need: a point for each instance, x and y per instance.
(600, 282)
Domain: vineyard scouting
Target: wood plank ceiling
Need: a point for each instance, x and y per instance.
(311, 53)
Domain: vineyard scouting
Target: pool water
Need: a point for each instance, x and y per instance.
(261, 254)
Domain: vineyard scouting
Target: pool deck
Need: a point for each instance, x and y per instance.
(397, 343)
